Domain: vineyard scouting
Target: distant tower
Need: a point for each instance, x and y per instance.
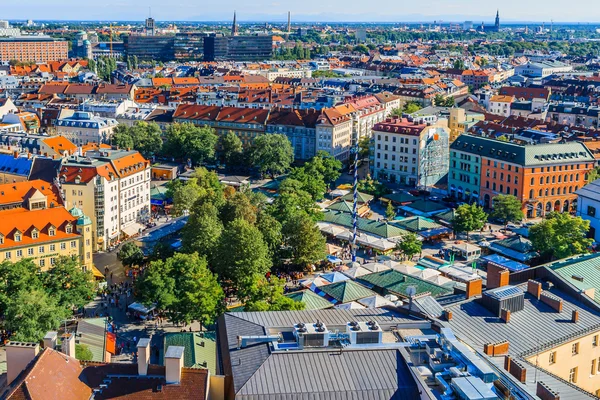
(234, 27)
(150, 23)
(497, 20)
(289, 26)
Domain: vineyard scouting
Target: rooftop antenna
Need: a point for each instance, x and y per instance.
(355, 150)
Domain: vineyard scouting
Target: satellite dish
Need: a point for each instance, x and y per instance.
(411, 291)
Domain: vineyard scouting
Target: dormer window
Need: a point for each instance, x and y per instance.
(18, 236)
(52, 231)
(1, 239)
(69, 228)
(77, 179)
(35, 234)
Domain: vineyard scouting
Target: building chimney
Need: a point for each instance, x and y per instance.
(534, 288)
(544, 392)
(15, 154)
(497, 276)
(505, 315)
(50, 340)
(68, 344)
(174, 364)
(507, 361)
(18, 356)
(575, 316)
(143, 348)
(474, 288)
(552, 301)
(448, 315)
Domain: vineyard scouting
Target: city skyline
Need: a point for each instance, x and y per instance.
(311, 11)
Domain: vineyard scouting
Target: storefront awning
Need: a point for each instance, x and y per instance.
(133, 229)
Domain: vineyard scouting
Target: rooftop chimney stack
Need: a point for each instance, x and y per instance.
(474, 288)
(497, 276)
(68, 344)
(575, 316)
(143, 348)
(50, 340)
(174, 364)
(18, 356)
(534, 288)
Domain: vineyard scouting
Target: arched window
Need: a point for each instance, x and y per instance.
(552, 191)
(531, 194)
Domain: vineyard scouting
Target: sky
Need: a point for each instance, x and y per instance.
(305, 10)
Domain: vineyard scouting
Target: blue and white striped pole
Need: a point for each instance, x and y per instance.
(355, 203)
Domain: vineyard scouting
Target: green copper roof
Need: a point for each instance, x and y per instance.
(76, 212)
(200, 348)
(401, 197)
(446, 216)
(362, 197)
(586, 267)
(417, 224)
(397, 283)
(344, 206)
(346, 291)
(426, 206)
(311, 300)
(379, 228)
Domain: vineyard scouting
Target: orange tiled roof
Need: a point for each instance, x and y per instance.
(11, 193)
(60, 144)
(130, 164)
(27, 222)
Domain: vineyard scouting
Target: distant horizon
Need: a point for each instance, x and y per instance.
(308, 11)
(320, 22)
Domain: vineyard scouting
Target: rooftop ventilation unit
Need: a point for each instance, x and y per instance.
(364, 332)
(509, 297)
(311, 334)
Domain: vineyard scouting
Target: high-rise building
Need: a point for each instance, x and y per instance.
(289, 24)
(160, 48)
(6, 30)
(189, 45)
(238, 48)
(34, 48)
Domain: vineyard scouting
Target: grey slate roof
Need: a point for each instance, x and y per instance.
(259, 374)
(536, 325)
(379, 374)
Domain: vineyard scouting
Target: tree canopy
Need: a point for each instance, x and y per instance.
(187, 141)
(560, 235)
(507, 208)
(272, 154)
(130, 254)
(410, 245)
(183, 287)
(469, 217)
(33, 302)
(142, 136)
(267, 295)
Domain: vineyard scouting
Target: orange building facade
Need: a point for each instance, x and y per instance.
(32, 50)
(544, 177)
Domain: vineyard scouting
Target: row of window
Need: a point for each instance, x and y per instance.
(508, 176)
(402, 140)
(567, 178)
(35, 234)
(41, 250)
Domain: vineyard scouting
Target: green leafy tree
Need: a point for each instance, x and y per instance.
(68, 284)
(83, 352)
(396, 112)
(507, 208)
(593, 174)
(183, 287)
(412, 107)
(390, 212)
(241, 255)
(184, 197)
(326, 165)
(32, 313)
(303, 242)
(142, 136)
(469, 217)
(560, 235)
(271, 232)
(187, 141)
(312, 183)
(272, 154)
(238, 206)
(16, 277)
(232, 150)
(410, 245)
(130, 255)
(459, 64)
(202, 232)
(293, 199)
(267, 295)
(121, 137)
(364, 146)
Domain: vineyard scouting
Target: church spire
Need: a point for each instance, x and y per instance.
(497, 19)
(234, 28)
